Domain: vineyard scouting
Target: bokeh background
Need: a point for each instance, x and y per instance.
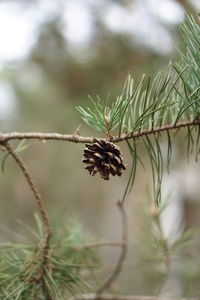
(53, 54)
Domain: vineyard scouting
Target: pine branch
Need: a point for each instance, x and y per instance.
(156, 130)
(33, 188)
(123, 297)
(47, 228)
(5, 137)
(120, 262)
(98, 244)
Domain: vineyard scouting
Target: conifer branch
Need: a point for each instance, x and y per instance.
(164, 128)
(98, 244)
(120, 262)
(47, 228)
(123, 297)
(5, 137)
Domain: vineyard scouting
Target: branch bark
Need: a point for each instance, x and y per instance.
(5, 137)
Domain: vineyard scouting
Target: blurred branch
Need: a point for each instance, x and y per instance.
(121, 297)
(98, 244)
(5, 137)
(119, 265)
(40, 204)
(32, 186)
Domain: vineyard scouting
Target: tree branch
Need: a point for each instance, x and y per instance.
(122, 297)
(119, 265)
(40, 204)
(98, 244)
(5, 137)
(32, 186)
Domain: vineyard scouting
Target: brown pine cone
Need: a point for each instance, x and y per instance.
(103, 157)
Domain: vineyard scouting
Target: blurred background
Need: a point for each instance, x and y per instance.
(53, 54)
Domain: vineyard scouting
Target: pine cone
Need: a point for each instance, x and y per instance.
(103, 157)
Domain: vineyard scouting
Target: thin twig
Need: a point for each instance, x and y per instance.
(122, 297)
(119, 265)
(4, 137)
(98, 244)
(40, 204)
(32, 186)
